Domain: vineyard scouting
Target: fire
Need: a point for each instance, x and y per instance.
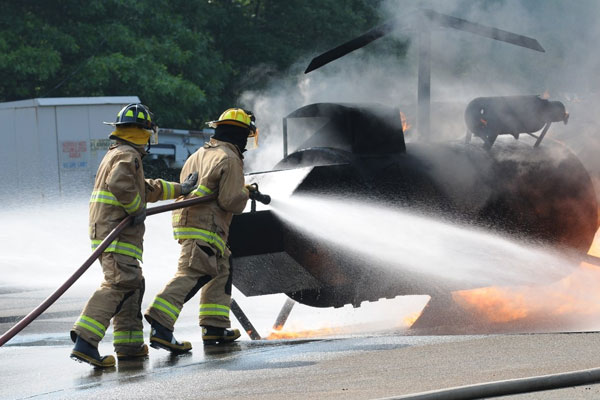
(574, 296)
(497, 304)
(410, 319)
(595, 248)
(545, 95)
(279, 333)
(405, 125)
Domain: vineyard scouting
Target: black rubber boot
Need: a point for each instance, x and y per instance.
(214, 335)
(85, 352)
(162, 338)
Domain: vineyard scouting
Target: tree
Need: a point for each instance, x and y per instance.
(187, 60)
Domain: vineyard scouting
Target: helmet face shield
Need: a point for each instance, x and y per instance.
(153, 135)
(252, 140)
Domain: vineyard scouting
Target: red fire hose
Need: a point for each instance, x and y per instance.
(103, 245)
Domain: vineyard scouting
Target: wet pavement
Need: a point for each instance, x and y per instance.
(364, 367)
(369, 365)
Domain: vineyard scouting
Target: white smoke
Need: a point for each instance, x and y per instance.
(464, 66)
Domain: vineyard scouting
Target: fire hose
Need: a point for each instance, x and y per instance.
(101, 247)
(508, 387)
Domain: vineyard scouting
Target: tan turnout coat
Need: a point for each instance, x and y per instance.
(220, 170)
(120, 190)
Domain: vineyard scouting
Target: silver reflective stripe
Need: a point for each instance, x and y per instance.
(196, 233)
(91, 325)
(123, 337)
(166, 307)
(168, 189)
(202, 190)
(134, 206)
(214, 309)
(120, 247)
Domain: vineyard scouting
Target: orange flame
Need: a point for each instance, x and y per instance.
(595, 247)
(278, 333)
(405, 125)
(545, 95)
(494, 303)
(410, 319)
(575, 295)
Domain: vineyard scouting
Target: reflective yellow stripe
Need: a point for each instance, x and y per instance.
(166, 307)
(134, 206)
(91, 325)
(126, 333)
(202, 191)
(168, 190)
(195, 233)
(163, 309)
(141, 115)
(120, 247)
(214, 309)
(103, 196)
(215, 306)
(121, 337)
(129, 113)
(219, 313)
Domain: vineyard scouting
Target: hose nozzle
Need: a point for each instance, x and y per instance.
(256, 195)
(262, 198)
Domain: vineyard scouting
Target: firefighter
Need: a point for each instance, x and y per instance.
(202, 232)
(120, 190)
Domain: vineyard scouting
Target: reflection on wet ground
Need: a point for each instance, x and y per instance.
(48, 370)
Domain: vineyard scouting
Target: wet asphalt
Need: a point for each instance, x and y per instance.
(373, 365)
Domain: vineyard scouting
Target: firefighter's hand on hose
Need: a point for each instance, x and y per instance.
(138, 217)
(256, 195)
(253, 187)
(189, 184)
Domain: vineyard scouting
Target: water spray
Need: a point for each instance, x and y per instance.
(103, 245)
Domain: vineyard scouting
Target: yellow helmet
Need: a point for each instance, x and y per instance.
(239, 117)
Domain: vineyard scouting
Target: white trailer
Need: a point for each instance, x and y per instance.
(53, 146)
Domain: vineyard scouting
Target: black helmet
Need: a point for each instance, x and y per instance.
(135, 114)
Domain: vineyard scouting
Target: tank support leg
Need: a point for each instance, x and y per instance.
(283, 314)
(244, 321)
(539, 139)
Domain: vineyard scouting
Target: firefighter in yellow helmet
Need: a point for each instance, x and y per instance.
(202, 231)
(121, 190)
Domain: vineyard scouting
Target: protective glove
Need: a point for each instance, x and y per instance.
(252, 189)
(189, 184)
(139, 217)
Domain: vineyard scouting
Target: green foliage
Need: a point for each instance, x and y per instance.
(187, 60)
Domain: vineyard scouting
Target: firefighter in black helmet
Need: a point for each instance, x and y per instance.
(120, 190)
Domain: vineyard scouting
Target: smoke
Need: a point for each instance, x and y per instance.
(369, 80)
(464, 66)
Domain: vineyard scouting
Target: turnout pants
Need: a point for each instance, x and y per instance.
(119, 298)
(200, 267)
